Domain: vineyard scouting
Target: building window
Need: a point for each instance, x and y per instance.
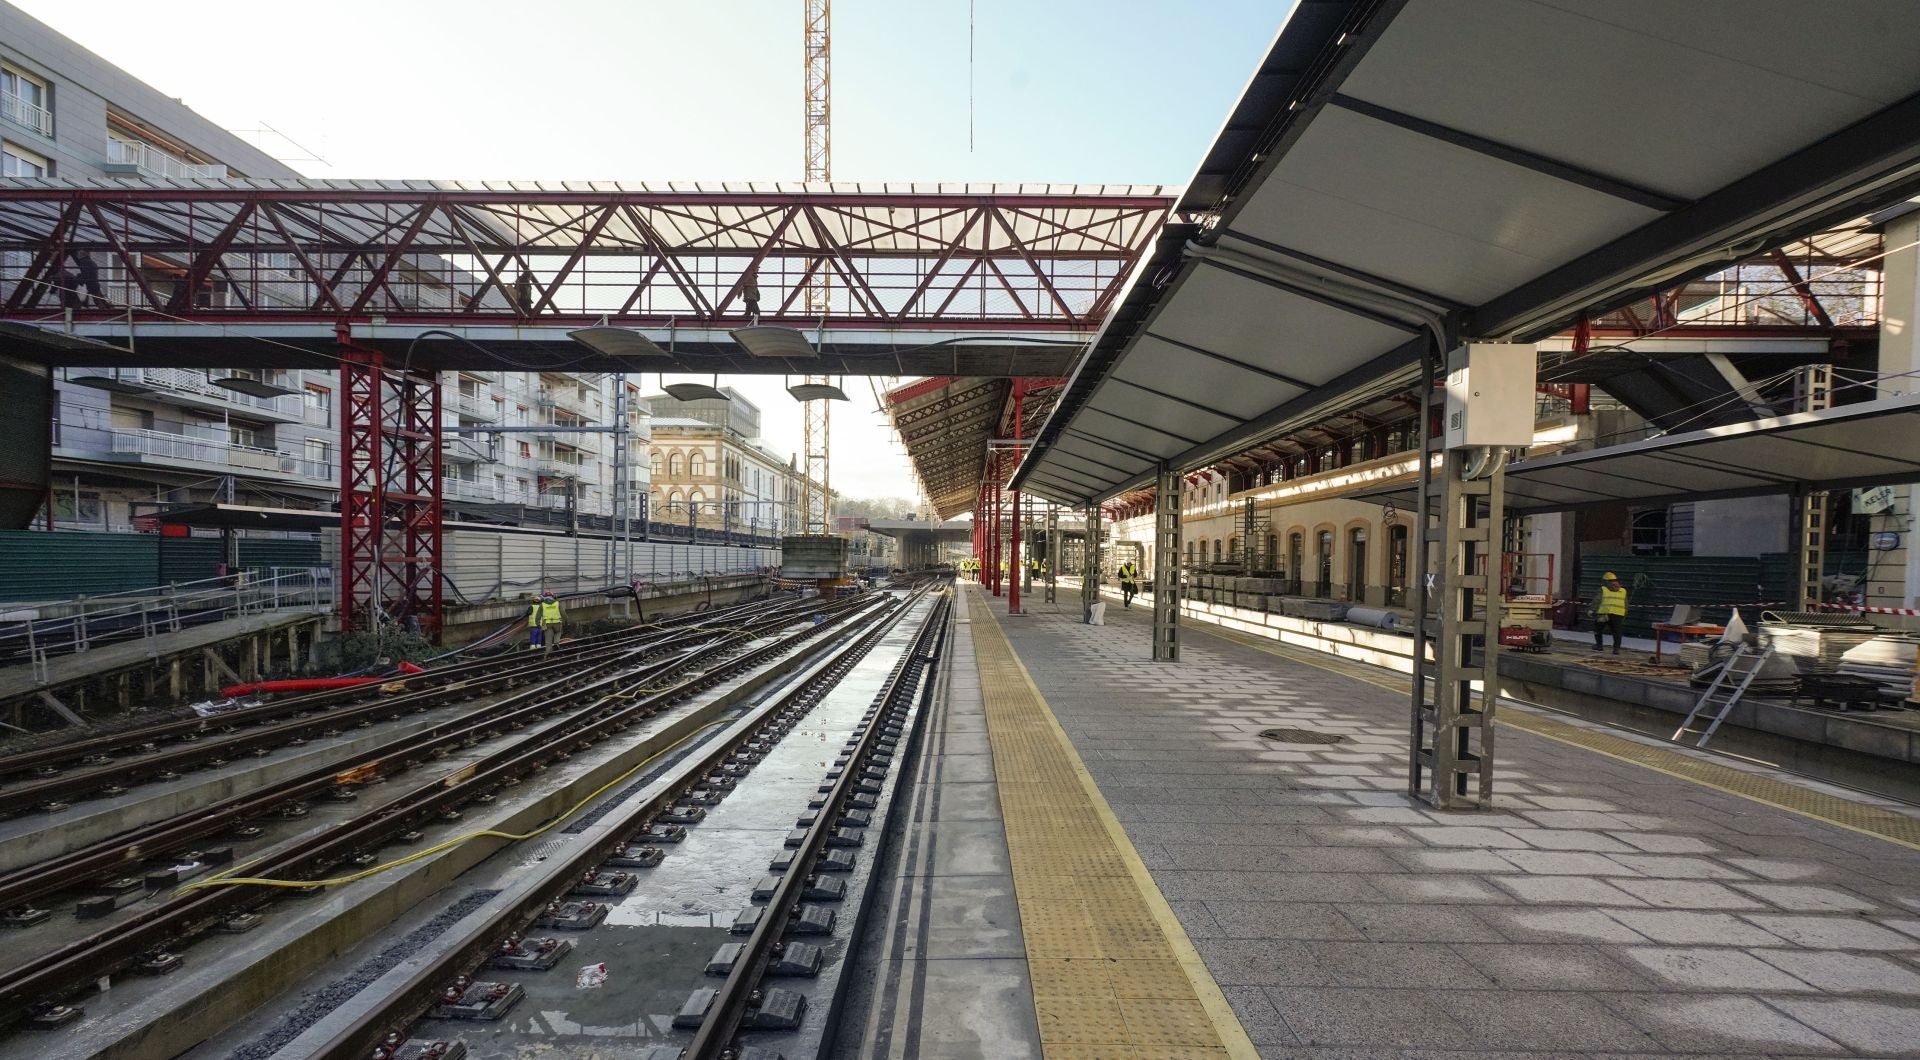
(658, 465)
(1323, 563)
(240, 435)
(1296, 559)
(1216, 550)
(78, 506)
(320, 453)
(27, 101)
(526, 451)
(17, 161)
(697, 465)
(319, 399)
(1357, 565)
(1397, 565)
(675, 465)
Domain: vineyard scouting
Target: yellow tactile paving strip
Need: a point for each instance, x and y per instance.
(1114, 975)
(1857, 816)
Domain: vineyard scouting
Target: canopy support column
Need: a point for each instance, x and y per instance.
(1166, 565)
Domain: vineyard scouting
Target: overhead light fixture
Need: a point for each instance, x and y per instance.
(693, 391)
(616, 342)
(766, 340)
(247, 384)
(112, 384)
(817, 392)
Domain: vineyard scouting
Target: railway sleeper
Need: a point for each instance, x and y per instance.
(467, 998)
(531, 954)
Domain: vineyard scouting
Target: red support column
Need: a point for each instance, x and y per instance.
(361, 475)
(415, 503)
(400, 579)
(1014, 570)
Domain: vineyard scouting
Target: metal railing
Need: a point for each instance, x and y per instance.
(17, 110)
(489, 492)
(196, 384)
(138, 441)
(155, 162)
(36, 633)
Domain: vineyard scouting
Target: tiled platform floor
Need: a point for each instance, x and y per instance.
(1602, 909)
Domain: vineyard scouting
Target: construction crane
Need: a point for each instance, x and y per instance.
(816, 423)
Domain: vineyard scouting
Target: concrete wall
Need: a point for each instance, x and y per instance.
(486, 564)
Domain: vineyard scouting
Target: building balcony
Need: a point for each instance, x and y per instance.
(559, 468)
(197, 390)
(21, 112)
(149, 161)
(479, 406)
(485, 492)
(135, 445)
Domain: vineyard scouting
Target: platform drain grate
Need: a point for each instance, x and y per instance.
(1299, 736)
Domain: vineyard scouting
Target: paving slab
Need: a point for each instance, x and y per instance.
(1622, 899)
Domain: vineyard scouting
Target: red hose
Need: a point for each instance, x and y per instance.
(316, 684)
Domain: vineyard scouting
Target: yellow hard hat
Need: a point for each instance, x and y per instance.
(1609, 577)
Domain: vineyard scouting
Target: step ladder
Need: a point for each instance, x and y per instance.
(1728, 686)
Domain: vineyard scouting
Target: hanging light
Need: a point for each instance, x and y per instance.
(821, 391)
(767, 340)
(693, 391)
(246, 384)
(617, 342)
(114, 383)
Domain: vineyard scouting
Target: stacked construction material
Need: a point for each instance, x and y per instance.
(1814, 640)
(1887, 659)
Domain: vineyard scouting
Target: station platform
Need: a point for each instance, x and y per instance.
(1109, 857)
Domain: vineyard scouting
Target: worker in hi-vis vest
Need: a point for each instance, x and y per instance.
(1610, 611)
(1129, 583)
(543, 622)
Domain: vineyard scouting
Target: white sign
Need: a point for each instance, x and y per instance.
(1874, 500)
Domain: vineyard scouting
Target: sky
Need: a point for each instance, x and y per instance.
(1083, 91)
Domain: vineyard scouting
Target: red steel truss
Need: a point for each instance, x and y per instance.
(390, 532)
(1007, 257)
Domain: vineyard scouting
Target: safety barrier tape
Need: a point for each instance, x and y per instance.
(1910, 611)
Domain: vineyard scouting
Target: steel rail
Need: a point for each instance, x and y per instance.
(715, 1038)
(71, 966)
(404, 1002)
(175, 729)
(27, 797)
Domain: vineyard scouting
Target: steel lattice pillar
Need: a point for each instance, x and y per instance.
(1166, 566)
(412, 498)
(1053, 551)
(362, 475)
(1815, 387)
(390, 468)
(1452, 735)
(1090, 565)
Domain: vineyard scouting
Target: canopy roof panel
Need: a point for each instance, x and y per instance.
(1866, 444)
(1398, 173)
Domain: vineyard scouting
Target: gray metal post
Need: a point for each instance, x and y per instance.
(1053, 551)
(1090, 565)
(1452, 739)
(1166, 566)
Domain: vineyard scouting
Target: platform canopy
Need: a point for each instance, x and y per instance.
(1872, 443)
(1401, 173)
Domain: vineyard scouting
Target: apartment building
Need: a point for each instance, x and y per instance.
(707, 463)
(127, 441)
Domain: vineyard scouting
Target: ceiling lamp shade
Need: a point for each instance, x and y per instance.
(112, 384)
(616, 342)
(246, 384)
(817, 392)
(693, 392)
(766, 340)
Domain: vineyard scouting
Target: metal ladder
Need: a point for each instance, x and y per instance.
(1718, 694)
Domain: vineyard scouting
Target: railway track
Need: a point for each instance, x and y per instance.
(743, 1015)
(51, 772)
(612, 685)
